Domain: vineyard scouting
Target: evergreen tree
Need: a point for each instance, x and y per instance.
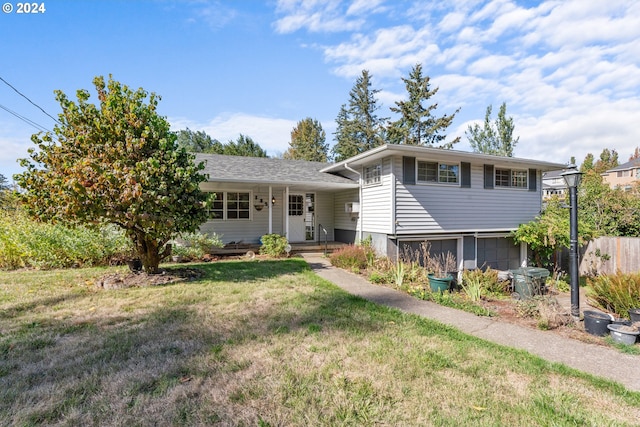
(493, 138)
(244, 146)
(417, 125)
(198, 142)
(308, 142)
(360, 128)
(346, 144)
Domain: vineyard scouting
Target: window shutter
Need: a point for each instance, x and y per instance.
(533, 180)
(465, 175)
(409, 170)
(488, 176)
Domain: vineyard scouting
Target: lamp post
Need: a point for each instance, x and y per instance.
(572, 178)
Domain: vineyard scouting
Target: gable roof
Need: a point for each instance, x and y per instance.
(629, 165)
(454, 155)
(265, 170)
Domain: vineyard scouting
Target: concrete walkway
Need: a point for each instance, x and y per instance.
(591, 358)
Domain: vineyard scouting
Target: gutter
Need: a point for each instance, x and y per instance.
(358, 227)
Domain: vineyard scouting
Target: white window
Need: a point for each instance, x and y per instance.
(519, 179)
(372, 174)
(511, 178)
(230, 205)
(438, 172)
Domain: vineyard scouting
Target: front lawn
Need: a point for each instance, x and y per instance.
(264, 343)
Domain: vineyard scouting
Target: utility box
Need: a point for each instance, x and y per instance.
(352, 207)
(529, 281)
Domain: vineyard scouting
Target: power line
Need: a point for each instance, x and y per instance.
(25, 97)
(24, 119)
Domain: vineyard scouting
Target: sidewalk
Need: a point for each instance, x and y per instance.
(594, 359)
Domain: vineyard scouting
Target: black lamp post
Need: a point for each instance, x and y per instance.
(572, 178)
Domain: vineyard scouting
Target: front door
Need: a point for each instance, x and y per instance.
(301, 217)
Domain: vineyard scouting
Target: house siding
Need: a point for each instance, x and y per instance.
(377, 202)
(431, 208)
(252, 229)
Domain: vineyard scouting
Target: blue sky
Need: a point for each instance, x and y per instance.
(568, 70)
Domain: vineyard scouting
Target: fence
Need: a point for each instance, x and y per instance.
(607, 255)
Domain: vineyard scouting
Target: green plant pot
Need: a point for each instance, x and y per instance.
(440, 284)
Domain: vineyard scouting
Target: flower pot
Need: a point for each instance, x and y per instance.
(596, 322)
(440, 284)
(634, 313)
(623, 334)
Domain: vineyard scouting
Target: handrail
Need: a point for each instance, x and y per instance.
(324, 230)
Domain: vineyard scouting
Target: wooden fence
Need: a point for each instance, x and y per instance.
(607, 255)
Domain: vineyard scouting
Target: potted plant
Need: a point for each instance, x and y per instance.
(440, 268)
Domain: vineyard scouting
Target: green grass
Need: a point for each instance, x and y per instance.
(265, 343)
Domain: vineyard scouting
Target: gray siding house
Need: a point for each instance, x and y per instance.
(397, 195)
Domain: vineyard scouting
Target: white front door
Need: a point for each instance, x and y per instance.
(301, 217)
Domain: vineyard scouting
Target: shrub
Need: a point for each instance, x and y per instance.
(615, 293)
(478, 283)
(273, 245)
(195, 245)
(350, 257)
(28, 243)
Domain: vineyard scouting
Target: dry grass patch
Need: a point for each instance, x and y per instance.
(264, 343)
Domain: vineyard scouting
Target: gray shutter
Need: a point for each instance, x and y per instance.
(488, 176)
(409, 170)
(533, 179)
(465, 175)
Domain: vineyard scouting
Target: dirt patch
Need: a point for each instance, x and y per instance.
(141, 279)
(536, 315)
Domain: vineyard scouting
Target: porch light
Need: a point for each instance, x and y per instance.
(572, 178)
(273, 200)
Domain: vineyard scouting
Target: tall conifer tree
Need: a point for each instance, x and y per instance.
(417, 125)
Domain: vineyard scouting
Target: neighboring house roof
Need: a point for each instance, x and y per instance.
(635, 163)
(414, 150)
(264, 170)
(553, 180)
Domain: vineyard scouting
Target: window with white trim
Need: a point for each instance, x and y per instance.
(513, 178)
(438, 172)
(230, 205)
(372, 174)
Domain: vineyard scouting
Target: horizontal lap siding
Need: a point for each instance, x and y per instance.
(342, 219)
(377, 203)
(441, 208)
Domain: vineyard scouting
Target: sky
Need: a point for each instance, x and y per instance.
(568, 70)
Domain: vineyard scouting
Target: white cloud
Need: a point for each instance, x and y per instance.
(272, 134)
(316, 16)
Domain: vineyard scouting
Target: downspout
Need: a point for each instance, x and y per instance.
(359, 223)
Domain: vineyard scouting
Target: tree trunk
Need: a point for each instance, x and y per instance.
(148, 251)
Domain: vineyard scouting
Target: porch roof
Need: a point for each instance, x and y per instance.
(268, 171)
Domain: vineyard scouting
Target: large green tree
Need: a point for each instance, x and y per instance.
(359, 128)
(417, 124)
(308, 142)
(244, 146)
(115, 163)
(608, 211)
(198, 142)
(493, 138)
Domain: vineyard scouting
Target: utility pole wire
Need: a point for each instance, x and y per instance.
(25, 97)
